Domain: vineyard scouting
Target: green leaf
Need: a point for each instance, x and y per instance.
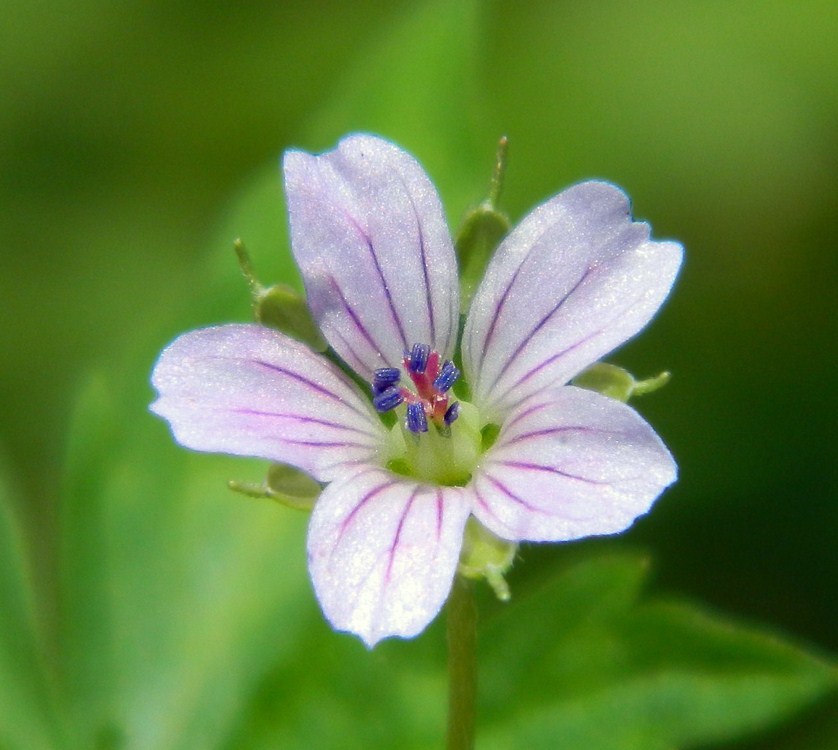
(27, 711)
(177, 593)
(582, 664)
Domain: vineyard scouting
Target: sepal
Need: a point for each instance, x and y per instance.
(481, 232)
(280, 307)
(617, 383)
(285, 485)
(479, 235)
(487, 556)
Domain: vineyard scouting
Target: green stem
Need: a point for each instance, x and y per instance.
(461, 613)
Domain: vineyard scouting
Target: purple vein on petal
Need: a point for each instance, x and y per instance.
(541, 365)
(302, 418)
(547, 362)
(370, 494)
(529, 337)
(526, 413)
(355, 319)
(491, 332)
(320, 443)
(358, 364)
(502, 301)
(298, 377)
(428, 299)
(511, 495)
(583, 429)
(391, 555)
(306, 381)
(527, 466)
(347, 462)
(440, 511)
(388, 295)
(483, 504)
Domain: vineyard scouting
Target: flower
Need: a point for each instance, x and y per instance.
(528, 456)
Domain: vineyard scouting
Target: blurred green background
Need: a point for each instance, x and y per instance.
(145, 606)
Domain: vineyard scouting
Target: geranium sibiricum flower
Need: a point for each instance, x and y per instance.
(575, 279)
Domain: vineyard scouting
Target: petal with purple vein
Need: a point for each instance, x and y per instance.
(570, 463)
(575, 279)
(370, 237)
(252, 391)
(383, 551)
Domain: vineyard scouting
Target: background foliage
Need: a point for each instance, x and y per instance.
(143, 606)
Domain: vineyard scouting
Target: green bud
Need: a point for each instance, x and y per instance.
(284, 484)
(481, 232)
(485, 555)
(280, 307)
(617, 383)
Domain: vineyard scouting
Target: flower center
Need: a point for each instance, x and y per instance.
(440, 455)
(429, 402)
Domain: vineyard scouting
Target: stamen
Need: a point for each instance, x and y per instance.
(447, 377)
(383, 378)
(428, 401)
(388, 399)
(452, 413)
(416, 419)
(419, 357)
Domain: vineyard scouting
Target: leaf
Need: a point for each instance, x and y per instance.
(582, 664)
(176, 592)
(27, 716)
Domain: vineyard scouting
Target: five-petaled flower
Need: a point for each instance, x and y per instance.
(575, 279)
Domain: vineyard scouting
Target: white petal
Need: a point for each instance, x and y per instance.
(369, 235)
(251, 391)
(383, 551)
(574, 280)
(570, 463)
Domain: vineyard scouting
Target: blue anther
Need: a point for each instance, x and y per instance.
(383, 378)
(447, 377)
(388, 399)
(451, 413)
(419, 357)
(416, 420)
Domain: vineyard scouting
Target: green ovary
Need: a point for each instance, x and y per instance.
(436, 458)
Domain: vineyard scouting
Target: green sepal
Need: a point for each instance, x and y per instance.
(285, 485)
(284, 309)
(280, 307)
(617, 383)
(480, 233)
(487, 556)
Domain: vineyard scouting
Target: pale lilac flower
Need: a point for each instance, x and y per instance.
(575, 279)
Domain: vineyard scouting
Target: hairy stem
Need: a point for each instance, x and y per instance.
(461, 613)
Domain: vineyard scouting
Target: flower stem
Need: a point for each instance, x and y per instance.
(461, 614)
